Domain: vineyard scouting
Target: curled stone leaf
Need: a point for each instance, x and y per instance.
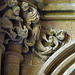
(22, 32)
(12, 3)
(29, 42)
(32, 16)
(2, 7)
(21, 28)
(43, 57)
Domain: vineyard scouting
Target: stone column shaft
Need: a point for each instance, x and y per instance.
(2, 48)
(11, 64)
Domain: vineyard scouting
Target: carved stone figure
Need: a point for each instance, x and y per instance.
(13, 14)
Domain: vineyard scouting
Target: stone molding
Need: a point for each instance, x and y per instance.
(48, 65)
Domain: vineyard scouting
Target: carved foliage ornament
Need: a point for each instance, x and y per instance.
(15, 27)
(49, 42)
(22, 27)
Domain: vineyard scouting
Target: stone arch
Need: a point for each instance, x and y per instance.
(63, 58)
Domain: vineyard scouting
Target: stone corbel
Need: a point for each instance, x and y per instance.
(50, 42)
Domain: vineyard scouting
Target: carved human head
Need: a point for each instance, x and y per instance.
(24, 6)
(12, 3)
(16, 10)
